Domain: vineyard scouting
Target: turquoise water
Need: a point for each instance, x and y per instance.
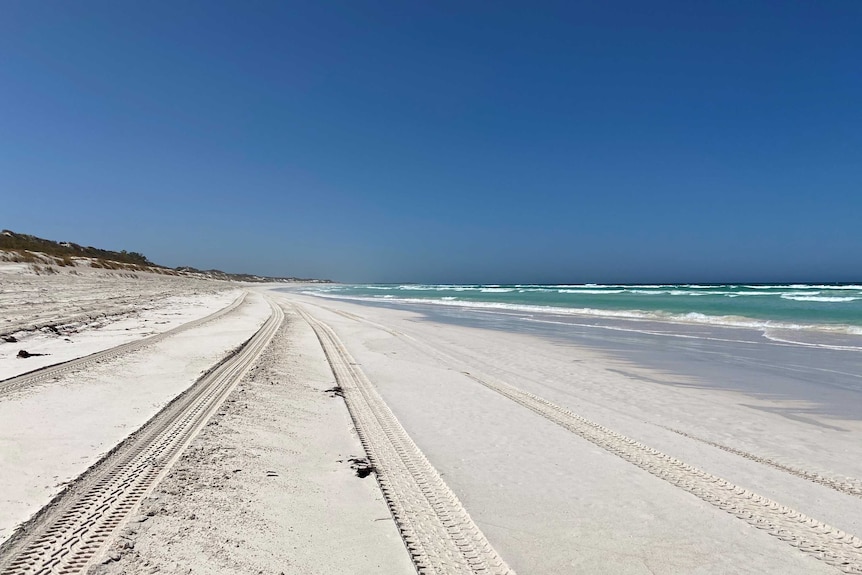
(834, 308)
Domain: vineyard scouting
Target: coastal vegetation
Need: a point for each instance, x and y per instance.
(43, 254)
(64, 251)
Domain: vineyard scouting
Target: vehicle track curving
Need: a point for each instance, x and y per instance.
(438, 532)
(68, 533)
(25, 380)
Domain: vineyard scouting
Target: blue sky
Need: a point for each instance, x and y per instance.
(447, 142)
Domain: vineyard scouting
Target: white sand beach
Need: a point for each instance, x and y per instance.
(553, 458)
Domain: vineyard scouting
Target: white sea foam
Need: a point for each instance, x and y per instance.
(841, 287)
(420, 288)
(768, 334)
(805, 287)
(828, 299)
(675, 292)
(637, 315)
(590, 291)
(603, 287)
(750, 293)
(772, 287)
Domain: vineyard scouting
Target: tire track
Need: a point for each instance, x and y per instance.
(90, 310)
(846, 485)
(439, 534)
(65, 536)
(25, 380)
(829, 544)
(849, 485)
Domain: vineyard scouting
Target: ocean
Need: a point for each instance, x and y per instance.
(833, 308)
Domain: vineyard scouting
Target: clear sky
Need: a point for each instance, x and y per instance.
(442, 141)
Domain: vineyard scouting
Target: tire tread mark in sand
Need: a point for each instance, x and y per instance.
(848, 485)
(31, 378)
(100, 309)
(68, 533)
(438, 532)
(831, 545)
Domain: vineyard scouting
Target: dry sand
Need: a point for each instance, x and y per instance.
(79, 311)
(267, 486)
(50, 433)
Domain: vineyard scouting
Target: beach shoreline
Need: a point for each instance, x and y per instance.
(533, 434)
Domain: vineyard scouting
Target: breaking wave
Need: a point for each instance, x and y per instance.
(825, 299)
(638, 315)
